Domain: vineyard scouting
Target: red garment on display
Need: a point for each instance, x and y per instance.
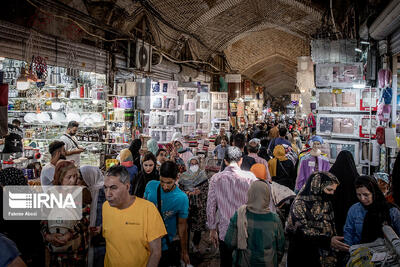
(311, 122)
(4, 94)
(380, 135)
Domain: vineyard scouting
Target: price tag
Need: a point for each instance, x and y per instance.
(337, 91)
(311, 164)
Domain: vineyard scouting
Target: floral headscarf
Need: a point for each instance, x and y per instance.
(311, 213)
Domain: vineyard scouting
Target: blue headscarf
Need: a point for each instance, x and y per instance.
(317, 138)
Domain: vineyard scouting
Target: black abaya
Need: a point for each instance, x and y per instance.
(345, 195)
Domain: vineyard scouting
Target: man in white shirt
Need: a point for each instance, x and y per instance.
(57, 152)
(72, 148)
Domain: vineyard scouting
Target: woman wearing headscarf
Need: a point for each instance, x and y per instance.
(311, 226)
(281, 169)
(255, 233)
(180, 155)
(94, 180)
(135, 151)
(152, 146)
(126, 160)
(148, 173)
(365, 219)
(194, 183)
(67, 239)
(345, 196)
(294, 138)
(25, 234)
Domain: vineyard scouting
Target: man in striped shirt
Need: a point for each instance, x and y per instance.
(227, 192)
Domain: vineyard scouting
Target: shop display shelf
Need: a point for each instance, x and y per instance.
(119, 144)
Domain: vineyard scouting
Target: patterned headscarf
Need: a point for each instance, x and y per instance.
(311, 212)
(152, 146)
(12, 176)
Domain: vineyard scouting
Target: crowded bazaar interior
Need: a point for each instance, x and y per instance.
(200, 133)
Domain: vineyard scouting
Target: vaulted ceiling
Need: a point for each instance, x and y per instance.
(259, 38)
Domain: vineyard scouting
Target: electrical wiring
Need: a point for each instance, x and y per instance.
(170, 58)
(125, 39)
(333, 19)
(78, 24)
(157, 14)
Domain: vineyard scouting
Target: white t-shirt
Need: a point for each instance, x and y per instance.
(47, 174)
(71, 145)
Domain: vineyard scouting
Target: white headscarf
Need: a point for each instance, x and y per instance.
(95, 181)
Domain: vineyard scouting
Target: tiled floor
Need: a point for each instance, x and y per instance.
(209, 256)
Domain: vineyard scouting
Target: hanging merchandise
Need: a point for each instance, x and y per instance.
(384, 106)
(311, 122)
(305, 82)
(380, 135)
(384, 78)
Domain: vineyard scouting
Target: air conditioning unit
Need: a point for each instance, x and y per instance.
(143, 56)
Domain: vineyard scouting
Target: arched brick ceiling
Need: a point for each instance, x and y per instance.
(218, 23)
(260, 38)
(269, 57)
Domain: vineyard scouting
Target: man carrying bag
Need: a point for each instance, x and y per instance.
(173, 206)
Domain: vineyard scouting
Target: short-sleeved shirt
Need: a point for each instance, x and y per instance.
(128, 233)
(47, 174)
(174, 204)
(8, 251)
(71, 143)
(13, 141)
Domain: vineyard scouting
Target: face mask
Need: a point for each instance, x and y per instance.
(181, 150)
(194, 168)
(327, 197)
(158, 163)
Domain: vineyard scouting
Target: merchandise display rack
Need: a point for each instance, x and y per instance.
(187, 119)
(346, 116)
(163, 116)
(203, 117)
(44, 111)
(219, 111)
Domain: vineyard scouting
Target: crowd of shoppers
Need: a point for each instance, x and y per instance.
(155, 207)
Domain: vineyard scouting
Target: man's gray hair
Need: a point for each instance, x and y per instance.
(119, 171)
(233, 154)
